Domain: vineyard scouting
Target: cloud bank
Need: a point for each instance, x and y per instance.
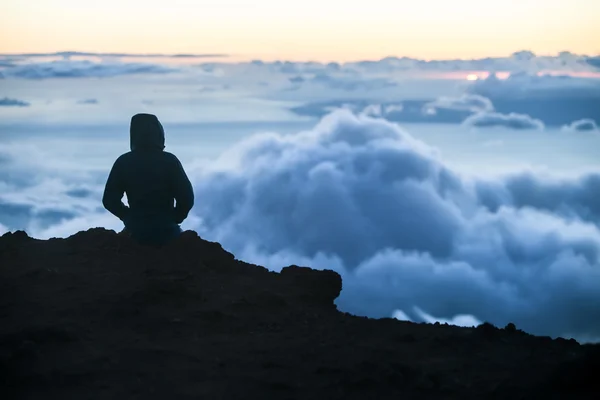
(511, 121)
(82, 69)
(361, 196)
(556, 100)
(469, 109)
(522, 101)
(422, 91)
(443, 110)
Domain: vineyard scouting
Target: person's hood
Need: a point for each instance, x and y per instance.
(146, 132)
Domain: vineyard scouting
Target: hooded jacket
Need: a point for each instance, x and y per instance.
(158, 190)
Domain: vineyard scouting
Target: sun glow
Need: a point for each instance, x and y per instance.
(472, 77)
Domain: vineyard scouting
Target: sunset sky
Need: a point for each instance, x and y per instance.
(310, 29)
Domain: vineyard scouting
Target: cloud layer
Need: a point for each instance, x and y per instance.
(361, 196)
(408, 90)
(68, 54)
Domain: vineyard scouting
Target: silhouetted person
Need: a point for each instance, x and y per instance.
(159, 192)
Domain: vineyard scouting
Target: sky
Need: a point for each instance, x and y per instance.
(441, 156)
(334, 30)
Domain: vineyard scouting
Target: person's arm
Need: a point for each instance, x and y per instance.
(113, 193)
(183, 192)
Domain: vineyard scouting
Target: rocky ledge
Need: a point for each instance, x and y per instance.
(96, 316)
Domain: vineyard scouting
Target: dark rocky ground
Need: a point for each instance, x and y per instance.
(96, 316)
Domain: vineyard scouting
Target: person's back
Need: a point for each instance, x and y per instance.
(159, 192)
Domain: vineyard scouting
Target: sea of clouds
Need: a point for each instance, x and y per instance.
(363, 197)
(413, 237)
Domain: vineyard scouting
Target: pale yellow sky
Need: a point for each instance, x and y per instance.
(322, 30)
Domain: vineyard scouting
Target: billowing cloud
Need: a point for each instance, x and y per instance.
(511, 121)
(582, 125)
(407, 233)
(8, 102)
(82, 69)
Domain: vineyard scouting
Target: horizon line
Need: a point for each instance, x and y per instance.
(71, 53)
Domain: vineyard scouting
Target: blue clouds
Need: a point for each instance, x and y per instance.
(594, 61)
(361, 196)
(14, 215)
(420, 90)
(407, 232)
(519, 102)
(511, 121)
(445, 110)
(454, 110)
(342, 82)
(297, 79)
(582, 125)
(87, 102)
(466, 102)
(556, 100)
(82, 69)
(351, 84)
(8, 102)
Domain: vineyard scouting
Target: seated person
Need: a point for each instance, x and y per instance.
(158, 190)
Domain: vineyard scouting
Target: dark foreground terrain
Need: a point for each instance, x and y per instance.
(96, 316)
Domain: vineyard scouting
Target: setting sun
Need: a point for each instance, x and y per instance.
(472, 77)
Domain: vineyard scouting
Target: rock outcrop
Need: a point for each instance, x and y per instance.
(96, 316)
